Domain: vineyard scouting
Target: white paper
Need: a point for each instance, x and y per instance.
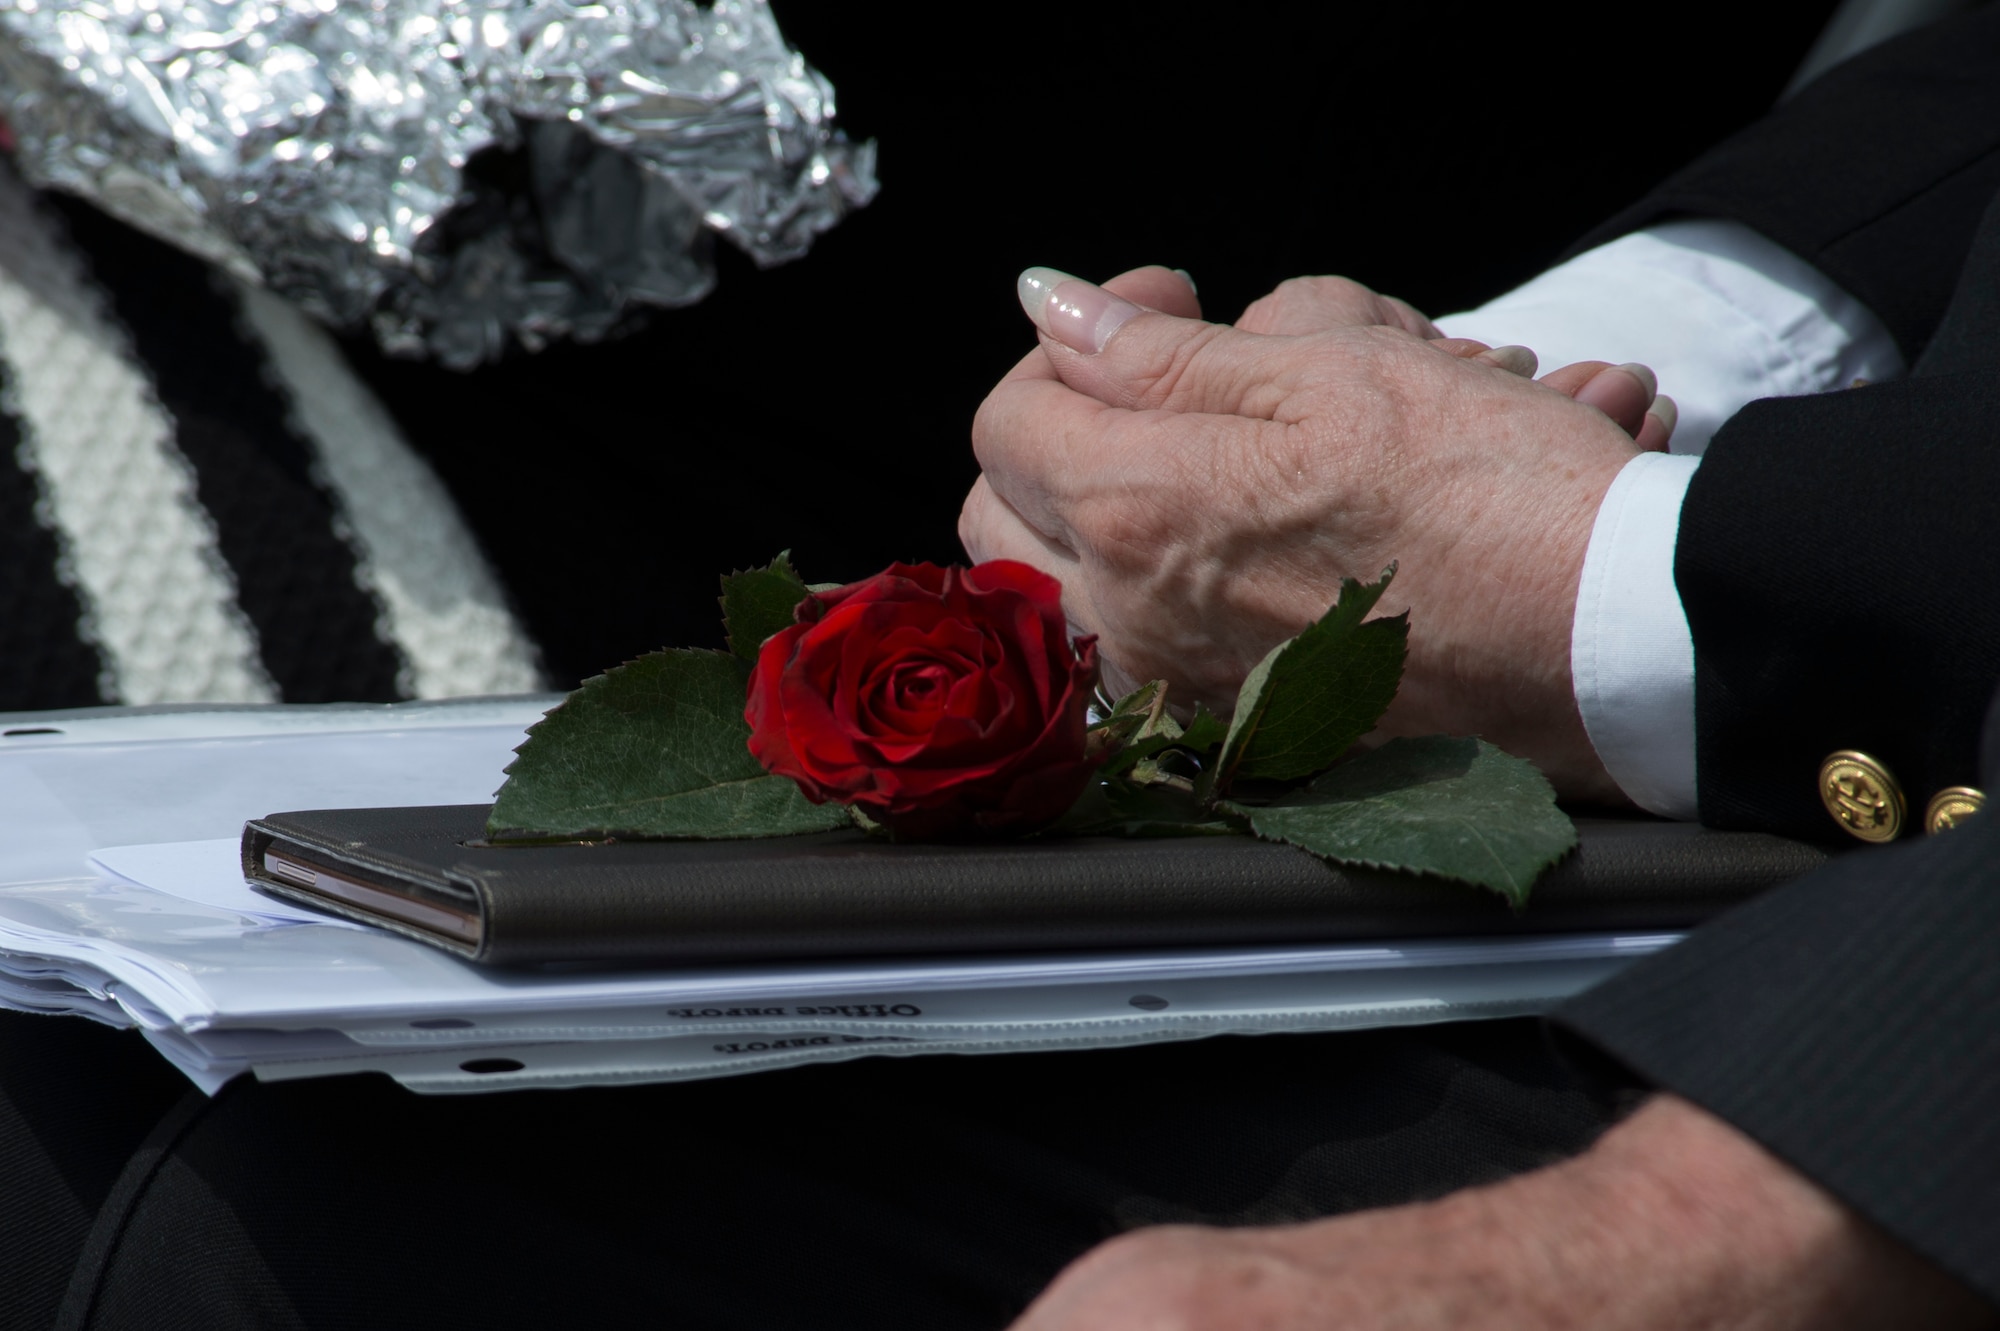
(179, 775)
(193, 871)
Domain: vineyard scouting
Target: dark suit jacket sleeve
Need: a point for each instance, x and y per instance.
(1839, 556)
(1876, 173)
(1839, 560)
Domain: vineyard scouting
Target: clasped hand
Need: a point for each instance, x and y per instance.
(1200, 490)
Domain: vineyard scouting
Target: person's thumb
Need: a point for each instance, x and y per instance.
(1124, 355)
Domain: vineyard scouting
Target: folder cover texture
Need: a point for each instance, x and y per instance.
(426, 872)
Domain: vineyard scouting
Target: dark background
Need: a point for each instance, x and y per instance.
(1439, 151)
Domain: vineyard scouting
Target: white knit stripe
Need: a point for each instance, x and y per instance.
(159, 600)
(442, 605)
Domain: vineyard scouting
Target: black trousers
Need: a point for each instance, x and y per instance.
(931, 1192)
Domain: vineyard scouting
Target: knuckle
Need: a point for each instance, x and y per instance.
(1190, 373)
(987, 433)
(1301, 303)
(1171, 378)
(1325, 288)
(1273, 310)
(1009, 421)
(1258, 316)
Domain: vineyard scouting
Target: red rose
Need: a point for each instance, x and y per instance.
(943, 701)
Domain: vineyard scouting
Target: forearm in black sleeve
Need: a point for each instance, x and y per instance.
(1850, 1022)
(1877, 173)
(1839, 561)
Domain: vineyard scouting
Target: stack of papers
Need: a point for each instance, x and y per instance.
(122, 900)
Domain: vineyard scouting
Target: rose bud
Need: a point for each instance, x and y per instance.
(943, 702)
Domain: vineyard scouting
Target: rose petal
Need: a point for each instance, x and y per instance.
(947, 701)
(770, 735)
(879, 710)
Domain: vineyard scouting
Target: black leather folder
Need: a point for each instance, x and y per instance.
(428, 873)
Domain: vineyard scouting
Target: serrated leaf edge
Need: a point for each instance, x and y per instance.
(1513, 893)
(1252, 697)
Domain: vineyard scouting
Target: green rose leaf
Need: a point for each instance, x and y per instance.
(1136, 752)
(1457, 808)
(1314, 695)
(758, 602)
(655, 748)
(1139, 702)
(1204, 732)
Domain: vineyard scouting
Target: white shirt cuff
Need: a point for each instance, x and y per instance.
(1722, 315)
(1631, 655)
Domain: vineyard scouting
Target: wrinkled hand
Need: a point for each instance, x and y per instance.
(1674, 1220)
(1626, 393)
(1201, 490)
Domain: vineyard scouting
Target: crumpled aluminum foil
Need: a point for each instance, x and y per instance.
(451, 172)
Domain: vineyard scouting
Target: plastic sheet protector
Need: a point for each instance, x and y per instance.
(121, 900)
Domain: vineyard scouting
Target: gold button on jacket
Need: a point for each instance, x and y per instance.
(1862, 796)
(1952, 806)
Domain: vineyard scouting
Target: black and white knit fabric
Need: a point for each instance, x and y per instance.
(199, 502)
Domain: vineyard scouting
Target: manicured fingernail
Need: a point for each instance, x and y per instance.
(1188, 278)
(1664, 408)
(1643, 375)
(1514, 360)
(1079, 314)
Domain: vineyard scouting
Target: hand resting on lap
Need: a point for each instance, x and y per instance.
(1672, 1221)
